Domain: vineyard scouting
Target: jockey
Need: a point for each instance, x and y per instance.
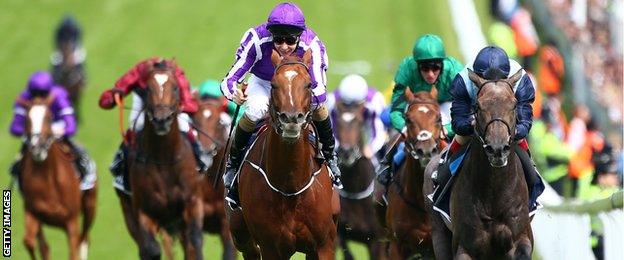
(354, 90)
(41, 84)
(135, 80)
(285, 31)
(492, 63)
(428, 67)
(67, 32)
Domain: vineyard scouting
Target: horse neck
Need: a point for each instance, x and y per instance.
(288, 165)
(51, 165)
(412, 179)
(161, 147)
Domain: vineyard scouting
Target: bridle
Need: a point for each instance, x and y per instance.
(423, 135)
(275, 115)
(481, 133)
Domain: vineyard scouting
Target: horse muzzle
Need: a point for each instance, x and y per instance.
(291, 124)
(162, 121)
(347, 156)
(497, 154)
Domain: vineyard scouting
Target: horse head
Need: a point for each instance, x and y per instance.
(424, 126)
(211, 121)
(349, 127)
(291, 93)
(39, 136)
(163, 96)
(495, 116)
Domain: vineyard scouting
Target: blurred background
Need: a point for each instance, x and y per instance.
(573, 49)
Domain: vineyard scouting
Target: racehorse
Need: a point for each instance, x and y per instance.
(212, 133)
(166, 191)
(70, 74)
(407, 221)
(489, 199)
(357, 216)
(50, 185)
(285, 193)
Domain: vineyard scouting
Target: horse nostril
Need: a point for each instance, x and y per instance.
(300, 117)
(506, 148)
(434, 150)
(420, 153)
(283, 118)
(489, 149)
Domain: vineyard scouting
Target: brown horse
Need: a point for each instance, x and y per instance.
(489, 199)
(166, 192)
(407, 221)
(285, 194)
(212, 133)
(51, 188)
(70, 74)
(357, 216)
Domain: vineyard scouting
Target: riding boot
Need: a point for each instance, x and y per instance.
(442, 174)
(202, 158)
(83, 162)
(237, 151)
(531, 174)
(328, 143)
(384, 171)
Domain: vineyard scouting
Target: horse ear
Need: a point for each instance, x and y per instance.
(275, 58)
(409, 95)
(513, 79)
(474, 77)
(195, 94)
(434, 92)
(307, 58)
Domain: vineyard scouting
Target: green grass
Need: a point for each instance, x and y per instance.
(203, 36)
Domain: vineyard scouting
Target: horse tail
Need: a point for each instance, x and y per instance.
(501, 238)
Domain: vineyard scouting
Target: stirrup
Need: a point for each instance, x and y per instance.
(231, 200)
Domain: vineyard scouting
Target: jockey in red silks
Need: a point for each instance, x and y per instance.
(64, 125)
(285, 32)
(135, 81)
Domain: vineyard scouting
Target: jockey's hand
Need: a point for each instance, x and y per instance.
(367, 152)
(240, 95)
(57, 131)
(107, 99)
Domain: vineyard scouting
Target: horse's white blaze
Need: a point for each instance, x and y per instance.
(206, 113)
(36, 115)
(161, 78)
(424, 135)
(423, 109)
(348, 117)
(290, 74)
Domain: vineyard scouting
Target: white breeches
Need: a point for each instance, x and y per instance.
(137, 118)
(445, 112)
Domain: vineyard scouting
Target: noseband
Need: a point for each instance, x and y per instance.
(477, 108)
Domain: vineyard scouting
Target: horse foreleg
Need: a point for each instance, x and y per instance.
(345, 249)
(33, 227)
(147, 229)
(377, 249)
(229, 252)
(240, 235)
(441, 238)
(524, 246)
(73, 235)
(462, 254)
(130, 216)
(192, 238)
(88, 215)
(167, 244)
(43, 245)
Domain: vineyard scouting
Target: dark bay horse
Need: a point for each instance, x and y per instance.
(212, 133)
(407, 221)
(285, 193)
(69, 73)
(357, 216)
(50, 186)
(489, 200)
(166, 191)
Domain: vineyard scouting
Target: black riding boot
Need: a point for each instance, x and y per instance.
(241, 138)
(326, 137)
(83, 162)
(202, 158)
(531, 175)
(384, 172)
(119, 168)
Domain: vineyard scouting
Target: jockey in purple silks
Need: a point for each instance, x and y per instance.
(41, 84)
(286, 32)
(352, 90)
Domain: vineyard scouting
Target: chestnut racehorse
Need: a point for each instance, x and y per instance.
(407, 221)
(285, 193)
(489, 199)
(50, 186)
(212, 127)
(166, 192)
(357, 216)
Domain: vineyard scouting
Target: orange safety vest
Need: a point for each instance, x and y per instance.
(525, 35)
(551, 70)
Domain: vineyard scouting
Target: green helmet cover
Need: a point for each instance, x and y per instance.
(428, 47)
